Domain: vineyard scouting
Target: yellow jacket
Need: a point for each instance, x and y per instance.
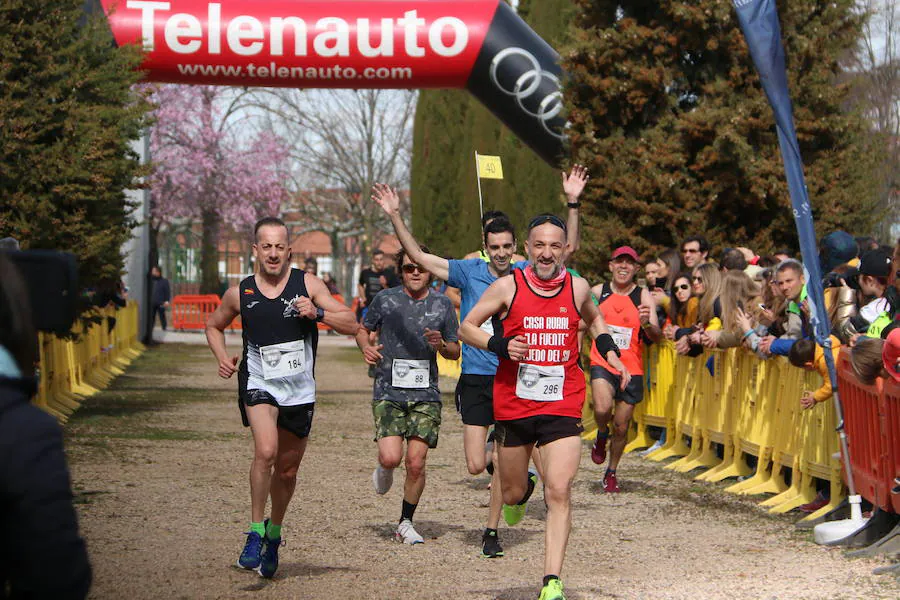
(824, 393)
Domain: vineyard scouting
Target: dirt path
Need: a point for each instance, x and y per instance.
(160, 465)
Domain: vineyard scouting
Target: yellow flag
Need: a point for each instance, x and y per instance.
(490, 167)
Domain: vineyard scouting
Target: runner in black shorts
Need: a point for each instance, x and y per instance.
(279, 309)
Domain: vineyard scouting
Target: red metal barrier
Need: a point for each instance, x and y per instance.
(192, 311)
(891, 424)
(865, 421)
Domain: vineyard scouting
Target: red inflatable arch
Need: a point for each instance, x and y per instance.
(480, 45)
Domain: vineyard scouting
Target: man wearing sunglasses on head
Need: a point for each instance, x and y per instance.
(414, 324)
(630, 313)
(539, 388)
(474, 391)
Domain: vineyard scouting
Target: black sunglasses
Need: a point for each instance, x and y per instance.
(541, 219)
(697, 279)
(683, 286)
(411, 268)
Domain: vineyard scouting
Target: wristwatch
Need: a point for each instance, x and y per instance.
(574, 204)
(320, 314)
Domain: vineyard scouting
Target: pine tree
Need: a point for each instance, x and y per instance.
(666, 107)
(67, 117)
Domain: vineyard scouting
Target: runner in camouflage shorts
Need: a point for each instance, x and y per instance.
(413, 325)
(407, 419)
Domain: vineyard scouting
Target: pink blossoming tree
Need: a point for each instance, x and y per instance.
(209, 166)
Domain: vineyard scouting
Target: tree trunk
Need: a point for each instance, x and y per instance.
(209, 254)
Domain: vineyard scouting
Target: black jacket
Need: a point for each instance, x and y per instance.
(161, 291)
(41, 554)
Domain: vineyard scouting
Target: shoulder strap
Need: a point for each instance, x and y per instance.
(605, 292)
(635, 295)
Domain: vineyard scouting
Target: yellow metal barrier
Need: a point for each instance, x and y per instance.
(71, 371)
(732, 405)
(449, 368)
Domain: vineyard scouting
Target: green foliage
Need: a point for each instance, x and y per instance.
(450, 127)
(67, 116)
(667, 111)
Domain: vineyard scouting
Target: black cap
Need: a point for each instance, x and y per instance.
(876, 263)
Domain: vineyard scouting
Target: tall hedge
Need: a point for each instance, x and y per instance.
(67, 117)
(666, 107)
(450, 127)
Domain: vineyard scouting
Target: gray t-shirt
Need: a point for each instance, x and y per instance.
(408, 370)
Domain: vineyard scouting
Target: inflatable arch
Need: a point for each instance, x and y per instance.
(480, 45)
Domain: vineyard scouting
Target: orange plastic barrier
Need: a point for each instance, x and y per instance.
(872, 422)
(323, 326)
(192, 311)
(892, 437)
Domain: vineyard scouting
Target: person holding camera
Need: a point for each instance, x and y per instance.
(43, 555)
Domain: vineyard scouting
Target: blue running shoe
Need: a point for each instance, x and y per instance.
(250, 557)
(269, 559)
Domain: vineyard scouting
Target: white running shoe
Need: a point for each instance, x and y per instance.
(656, 446)
(383, 479)
(407, 534)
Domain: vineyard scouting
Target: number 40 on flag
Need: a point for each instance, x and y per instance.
(489, 167)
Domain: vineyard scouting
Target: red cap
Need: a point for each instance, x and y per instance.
(891, 352)
(625, 251)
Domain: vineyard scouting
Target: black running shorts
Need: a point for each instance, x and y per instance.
(633, 392)
(475, 399)
(539, 430)
(296, 419)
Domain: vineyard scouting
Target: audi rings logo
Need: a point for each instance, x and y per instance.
(537, 92)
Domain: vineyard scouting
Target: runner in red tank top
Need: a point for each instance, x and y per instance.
(630, 314)
(539, 387)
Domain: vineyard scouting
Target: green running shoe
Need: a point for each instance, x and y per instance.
(553, 591)
(514, 513)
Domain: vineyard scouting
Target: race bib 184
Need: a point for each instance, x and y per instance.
(283, 360)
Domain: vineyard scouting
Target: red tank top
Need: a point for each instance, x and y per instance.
(549, 381)
(624, 322)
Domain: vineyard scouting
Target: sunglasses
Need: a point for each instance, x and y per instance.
(411, 268)
(683, 286)
(697, 279)
(541, 219)
(690, 251)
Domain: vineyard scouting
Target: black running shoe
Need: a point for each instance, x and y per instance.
(490, 545)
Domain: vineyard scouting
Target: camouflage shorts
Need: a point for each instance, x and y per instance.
(407, 419)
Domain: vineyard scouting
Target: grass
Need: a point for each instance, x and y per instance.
(154, 382)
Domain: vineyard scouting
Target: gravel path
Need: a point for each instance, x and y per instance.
(160, 464)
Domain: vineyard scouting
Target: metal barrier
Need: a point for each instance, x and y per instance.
(733, 405)
(71, 370)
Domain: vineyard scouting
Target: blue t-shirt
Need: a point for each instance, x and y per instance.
(473, 277)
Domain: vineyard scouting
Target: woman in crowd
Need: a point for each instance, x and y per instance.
(706, 283)
(739, 293)
(866, 359)
(682, 313)
(707, 286)
(329, 282)
(668, 266)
